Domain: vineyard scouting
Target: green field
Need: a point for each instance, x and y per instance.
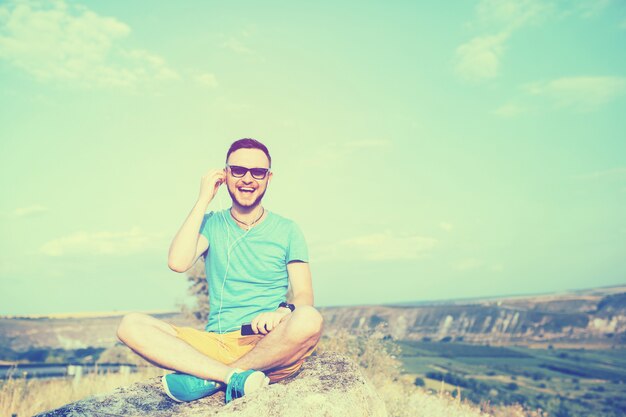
(564, 382)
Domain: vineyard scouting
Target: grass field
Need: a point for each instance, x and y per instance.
(26, 397)
(565, 382)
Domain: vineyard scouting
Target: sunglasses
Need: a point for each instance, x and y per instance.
(239, 172)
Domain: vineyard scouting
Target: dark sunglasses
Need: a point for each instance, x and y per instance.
(239, 172)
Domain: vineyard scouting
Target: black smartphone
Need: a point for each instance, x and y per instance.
(246, 330)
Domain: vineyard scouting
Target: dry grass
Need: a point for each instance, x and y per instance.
(376, 357)
(27, 397)
(378, 361)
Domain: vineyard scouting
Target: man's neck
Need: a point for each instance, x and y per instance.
(247, 215)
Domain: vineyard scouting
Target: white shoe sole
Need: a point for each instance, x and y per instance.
(167, 390)
(255, 382)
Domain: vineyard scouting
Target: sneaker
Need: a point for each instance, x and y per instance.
(182, 387)
(244, 382)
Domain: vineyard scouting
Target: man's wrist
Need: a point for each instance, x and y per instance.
(283, 310)
(288, 306)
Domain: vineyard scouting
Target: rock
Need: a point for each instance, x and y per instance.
(328, 385)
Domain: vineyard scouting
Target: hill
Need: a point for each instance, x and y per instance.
(592, 318)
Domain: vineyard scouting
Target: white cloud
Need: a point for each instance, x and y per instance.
(591, 8)
(446, 226)
(30, 210)
(479, 58)
(469, 264)
(57, 41)
(238, 43)
(514, 14)
(582, 93)
(237, 46)
(377, 247)
(496, 21)
(511, 14)
(608, 173)
(336, 151)
(508, 110)
(366, 144)
(100, 243)
(207, 79)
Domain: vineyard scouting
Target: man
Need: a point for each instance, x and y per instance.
(252, 255)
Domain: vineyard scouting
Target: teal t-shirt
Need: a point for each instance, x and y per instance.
(256, 273)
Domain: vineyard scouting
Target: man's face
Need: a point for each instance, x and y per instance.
(247, 191)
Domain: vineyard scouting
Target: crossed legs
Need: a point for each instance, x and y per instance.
(157, 342)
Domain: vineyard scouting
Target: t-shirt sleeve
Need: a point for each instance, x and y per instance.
(205, 227)
(297, 249)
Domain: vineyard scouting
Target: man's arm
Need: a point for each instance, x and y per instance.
(189, 244)
(301, 283)
(302, 288)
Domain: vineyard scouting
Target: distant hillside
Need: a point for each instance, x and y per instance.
(22, 334)
(594, 318)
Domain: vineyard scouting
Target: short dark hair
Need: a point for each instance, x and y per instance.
(248, 143)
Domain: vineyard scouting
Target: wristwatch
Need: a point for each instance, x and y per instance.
(287, 305)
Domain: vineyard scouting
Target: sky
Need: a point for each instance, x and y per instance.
(427, 150)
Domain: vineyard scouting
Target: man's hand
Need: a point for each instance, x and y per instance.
(210, 183)
(266, 322)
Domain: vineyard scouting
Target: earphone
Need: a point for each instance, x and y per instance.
(230, 248)
(228, 252)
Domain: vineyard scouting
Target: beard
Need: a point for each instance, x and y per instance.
(245, 204)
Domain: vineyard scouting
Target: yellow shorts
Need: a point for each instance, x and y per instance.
(228, 347)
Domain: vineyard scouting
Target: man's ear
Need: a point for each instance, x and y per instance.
(269, 177)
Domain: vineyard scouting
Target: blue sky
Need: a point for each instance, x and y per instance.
(427, 151)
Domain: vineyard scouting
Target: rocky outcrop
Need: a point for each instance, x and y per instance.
(594, 319)
(20, 334)
(328, 385)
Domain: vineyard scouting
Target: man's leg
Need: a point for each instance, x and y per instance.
(287, 343)
(156, 341)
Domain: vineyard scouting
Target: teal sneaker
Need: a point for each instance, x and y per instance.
(244, 382)
(182, 387)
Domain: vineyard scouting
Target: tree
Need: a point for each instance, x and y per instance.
(199, 289)
(512, 386)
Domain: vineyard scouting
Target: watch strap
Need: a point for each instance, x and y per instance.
(287, 305)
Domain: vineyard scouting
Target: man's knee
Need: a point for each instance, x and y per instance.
(305, 324)
(129, 326)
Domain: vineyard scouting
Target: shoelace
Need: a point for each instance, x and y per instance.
(235, 387)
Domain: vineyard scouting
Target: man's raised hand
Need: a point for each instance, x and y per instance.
(210, 183)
